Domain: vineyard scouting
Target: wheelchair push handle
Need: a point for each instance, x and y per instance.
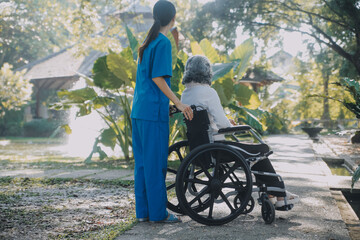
(173, 109)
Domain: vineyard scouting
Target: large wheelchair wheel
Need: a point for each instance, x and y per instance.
(219, 174)
(177, 153)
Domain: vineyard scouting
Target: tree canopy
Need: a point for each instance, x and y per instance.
(15, 91)
(32, 29)
(334, 23)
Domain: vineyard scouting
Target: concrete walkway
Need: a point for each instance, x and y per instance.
(317, 216)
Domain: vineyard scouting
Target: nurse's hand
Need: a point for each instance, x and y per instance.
(186, 110)
(232, 122)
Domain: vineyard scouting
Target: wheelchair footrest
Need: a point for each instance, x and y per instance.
(285, 208)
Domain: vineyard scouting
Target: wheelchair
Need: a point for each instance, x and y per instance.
(214, 181)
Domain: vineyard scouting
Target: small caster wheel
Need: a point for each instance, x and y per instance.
(268, 211)
(248, 208)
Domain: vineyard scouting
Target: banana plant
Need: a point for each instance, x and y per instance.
(113, 82)
(108, 90)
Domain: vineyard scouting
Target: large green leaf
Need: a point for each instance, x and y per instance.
(108, 138)
(103, 77)
(177, 129)
(246, 97)
(220, 70)
(177, 76)
(196, 49)
(245, 115)
(78, 96)
(353, 87)
(96, 149)
(134, 44)
(209, 51)
(353, 107)
(261, 115)
(67, 128)
(121, 67)
(254, 122)
(220, 91)
(100, 102)
(183, 56)
(174, 49)
(351, 84)
(132, 67)
(243, 52)
(225, 90)
(228, 86)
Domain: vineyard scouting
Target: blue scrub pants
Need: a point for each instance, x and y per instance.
(150, 141)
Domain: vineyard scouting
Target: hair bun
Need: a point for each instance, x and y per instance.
(164, 12)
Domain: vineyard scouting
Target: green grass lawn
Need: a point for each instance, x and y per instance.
(46, 153)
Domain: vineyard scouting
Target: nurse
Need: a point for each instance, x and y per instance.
(150, 118)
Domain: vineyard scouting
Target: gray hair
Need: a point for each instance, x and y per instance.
(198, 70)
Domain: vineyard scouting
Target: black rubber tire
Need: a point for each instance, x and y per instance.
(177, 153)
(268, 211)
(211, 179)
(248, 208)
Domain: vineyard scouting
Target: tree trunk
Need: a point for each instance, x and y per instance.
(326, 112)
(356, 63)
(37, 88)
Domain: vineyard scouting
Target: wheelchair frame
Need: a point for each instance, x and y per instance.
(217, 175)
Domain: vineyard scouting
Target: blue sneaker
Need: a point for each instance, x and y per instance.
(143, 219)
(171, 218)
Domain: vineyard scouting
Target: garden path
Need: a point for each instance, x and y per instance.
(317, 216)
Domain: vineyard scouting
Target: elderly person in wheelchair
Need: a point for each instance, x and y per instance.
(214, 182)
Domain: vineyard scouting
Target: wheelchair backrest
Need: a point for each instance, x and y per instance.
(197, 128)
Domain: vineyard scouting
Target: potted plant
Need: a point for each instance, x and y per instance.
(311, 130)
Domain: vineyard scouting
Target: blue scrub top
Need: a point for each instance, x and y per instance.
(149, 102)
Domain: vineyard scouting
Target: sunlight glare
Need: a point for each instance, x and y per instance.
(84, 130)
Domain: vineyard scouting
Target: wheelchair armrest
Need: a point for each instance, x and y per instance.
(234, 129)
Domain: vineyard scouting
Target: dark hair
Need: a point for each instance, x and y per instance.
(198, 70)
(163, 13)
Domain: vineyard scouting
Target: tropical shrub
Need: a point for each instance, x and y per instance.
(15, 91)
(113, 83)
(40, 127)
(105, 94)
(11, 124)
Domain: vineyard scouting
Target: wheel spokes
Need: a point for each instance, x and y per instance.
(179, 154)
(227, 202)
(231, 170)
(170, 186)
(205, 170)
(211, 209)
(201, 194)
(195, 180)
